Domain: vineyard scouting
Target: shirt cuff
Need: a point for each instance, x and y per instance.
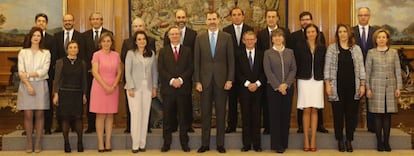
(181, 80)
(258, 83)
(246, 84)
(171, 81)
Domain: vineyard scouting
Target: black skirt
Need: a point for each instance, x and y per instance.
(70, 104)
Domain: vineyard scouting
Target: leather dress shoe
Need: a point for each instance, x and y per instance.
(349, 146)
(380, 147)
(280, 150)
(67, 148)
(387, 147)
(245, 148)
(322, 130)
(185, 148)
(203, 149)
(257, 149)
(165, 148)
(80, 147)
(230, 130)
(341, 146)
(266, 131)
(142, 149)
(221, 149)
(135, 151)
(300, 130)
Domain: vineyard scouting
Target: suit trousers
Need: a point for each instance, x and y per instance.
(217, 95)
(346, 108)
(48, 114)
(280, 107)
(176, 105)
(139, 107)
(232, 115)
(250, 103)
(91, 116)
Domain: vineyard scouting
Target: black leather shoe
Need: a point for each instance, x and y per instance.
(230, 130)
(185, 148)
(203, 149)
(300, 130)
(280, 151)
(67, 148)
(257, 149)
(191, 130)
(341, 146)
(88, 131)
(165, 148)
(266, 131)
(245, 148)
(349, 146)
(380, 147)
(80, 147)
(322, 130)
(221, 149)
(387, 147)
(48, 132)
(142, 149)
(135, 151)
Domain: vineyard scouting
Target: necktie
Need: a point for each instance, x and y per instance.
(66, 40)
(363, 39)
(212, 44)
(175, 54)
(251, 60)
(95, 38)
(238, 34)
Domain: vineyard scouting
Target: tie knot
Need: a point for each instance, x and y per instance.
(67, 32)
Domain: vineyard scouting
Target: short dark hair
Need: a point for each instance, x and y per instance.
(305, 13)
(213, 12)
(272, 10)
(41, 15)
(236, 8)
(71, 42)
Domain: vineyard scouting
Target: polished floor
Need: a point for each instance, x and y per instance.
(212, 152)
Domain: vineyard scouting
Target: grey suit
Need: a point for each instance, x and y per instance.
(213, 73)
(383, 78)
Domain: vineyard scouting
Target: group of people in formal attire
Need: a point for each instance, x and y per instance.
(256, 70)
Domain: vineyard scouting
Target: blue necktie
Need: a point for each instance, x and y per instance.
(363, 40)
(212, 44)
(251, 60)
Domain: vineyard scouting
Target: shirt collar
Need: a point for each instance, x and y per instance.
(99, 30)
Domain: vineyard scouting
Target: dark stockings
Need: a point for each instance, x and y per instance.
(66, 125)
(383, 126)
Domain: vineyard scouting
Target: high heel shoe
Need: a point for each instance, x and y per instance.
(108, 150)
(341, 146)
(101, 150)
(306, 149)
(29, 150)
(349, 146)
(80, 147)
(67, 148)
(313, 149)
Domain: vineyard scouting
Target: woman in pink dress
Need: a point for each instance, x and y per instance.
(106, 70)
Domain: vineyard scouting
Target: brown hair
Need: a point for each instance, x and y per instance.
(28, 42)
(376, 33)
(351, 39)
(318, 34)
(72, 42)
(107, 34)
(278, 32)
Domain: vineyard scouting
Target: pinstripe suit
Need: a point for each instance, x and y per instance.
(383, 78)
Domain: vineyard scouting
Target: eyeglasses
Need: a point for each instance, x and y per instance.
(363, 15)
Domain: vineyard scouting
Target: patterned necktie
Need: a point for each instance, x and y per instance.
(363, 40)
(95, 39)
(175, 54)
(251, 60)
(238, 34)
(212, 44)
(66, 40)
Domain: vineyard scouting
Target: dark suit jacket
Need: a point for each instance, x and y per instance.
(263, 38)
(221, 67)
(370, 42)
(299, 36)
(189, 38)
(230, 29)
(60, 40)
(90, 47)
(168, 68)
(243, 69)
(128, 44)
(304, 59)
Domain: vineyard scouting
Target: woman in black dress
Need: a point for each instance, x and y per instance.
(69, 92)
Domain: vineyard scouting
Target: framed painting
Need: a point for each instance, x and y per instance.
(391, 15)
(159, 14)
(17, 18)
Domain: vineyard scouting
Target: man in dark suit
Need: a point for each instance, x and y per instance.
(213, 77)
(61, 39)
(41, 21)
(250, 76)
(175, 66)
(236, 29)
(187, 39)
(264, 43)
(137, 25)
(363, 36)
(91, 38)
(299, 37)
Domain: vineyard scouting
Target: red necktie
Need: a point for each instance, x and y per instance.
(175, 54)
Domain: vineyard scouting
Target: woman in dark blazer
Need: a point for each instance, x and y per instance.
(310, 60)
(383, 85)
(345, 83)
(280, 69)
